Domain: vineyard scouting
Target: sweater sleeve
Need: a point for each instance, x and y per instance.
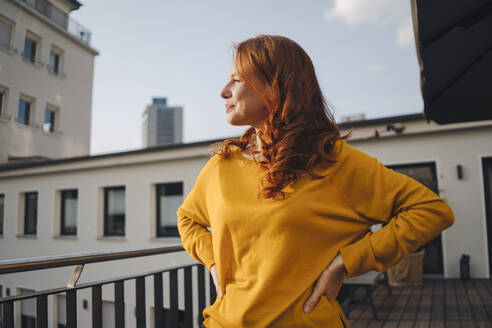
(414, 215)
(193, 219)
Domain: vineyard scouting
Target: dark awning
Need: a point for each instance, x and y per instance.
(454, 48)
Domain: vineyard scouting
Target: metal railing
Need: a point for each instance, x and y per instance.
(61, 19)
(79, 30)
(163, 317)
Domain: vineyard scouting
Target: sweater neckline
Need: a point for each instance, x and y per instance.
(244, 160)
(244, 157)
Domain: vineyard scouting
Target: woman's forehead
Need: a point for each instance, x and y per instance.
(233, 71)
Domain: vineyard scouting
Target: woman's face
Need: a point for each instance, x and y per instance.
(243, 106)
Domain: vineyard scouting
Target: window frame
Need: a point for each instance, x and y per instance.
(2, 214)
(55, 65)
(1, 307)
(9, 47)
(3, 103)
(400, 168)
(32, 113)
(26, 201)
(26, 119)
(56, 119)
(36, 39)
(25, 319)
(57, 70)
(65, 231)
(106, 232)
(2, 100)
(51, 128)
(165, 231)
(31, 56)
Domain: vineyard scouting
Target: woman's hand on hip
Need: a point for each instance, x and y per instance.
(328, 283)
(215, 277)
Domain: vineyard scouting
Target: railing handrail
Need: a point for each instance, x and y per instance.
(55, 261)
(59, 290)
(60, 19)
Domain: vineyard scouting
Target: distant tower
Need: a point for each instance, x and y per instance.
(162, 124)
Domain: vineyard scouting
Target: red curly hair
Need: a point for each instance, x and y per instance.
(300, 130)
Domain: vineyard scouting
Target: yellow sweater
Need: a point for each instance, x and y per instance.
(269, 253)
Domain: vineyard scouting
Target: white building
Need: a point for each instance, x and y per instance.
(46, 74)
(162, 124)
(111, 202)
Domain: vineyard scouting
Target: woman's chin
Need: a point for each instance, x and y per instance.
(234, 122)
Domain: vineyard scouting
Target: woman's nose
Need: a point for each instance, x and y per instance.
(225, 93)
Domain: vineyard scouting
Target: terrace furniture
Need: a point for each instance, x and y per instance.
(368, 282)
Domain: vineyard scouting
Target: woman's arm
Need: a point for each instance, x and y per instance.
(196, 239)
(414, 214)
(193, 217)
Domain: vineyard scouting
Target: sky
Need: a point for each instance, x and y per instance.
(363, 52)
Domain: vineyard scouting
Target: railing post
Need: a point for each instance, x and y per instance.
(201, 292)
(140, 301)
(41, 312)
(8, 314)
(119, 304)
(158, 301)
(72, 308)
(188, 291)
(213, 292)
(173, 297)
(96, 307)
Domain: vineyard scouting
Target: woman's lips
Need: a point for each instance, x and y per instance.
(229, 108)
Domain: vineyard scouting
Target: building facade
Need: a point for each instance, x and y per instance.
(46, 75)
(162, 124)
(128, 199)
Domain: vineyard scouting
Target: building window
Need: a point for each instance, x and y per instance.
(425, 173)
(30, 46)
(28, 310)
(1, 307)
(24, 115)
(5, 33)
(114, 211)
(56, 60)
(49, 120)
(69, 199)
(30, 212)
(3, 103)
(169, 197)
(2, 208)
(2, 97)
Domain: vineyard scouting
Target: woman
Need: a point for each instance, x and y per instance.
(289, 204)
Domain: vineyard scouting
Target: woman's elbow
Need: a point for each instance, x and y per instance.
(447, 215)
